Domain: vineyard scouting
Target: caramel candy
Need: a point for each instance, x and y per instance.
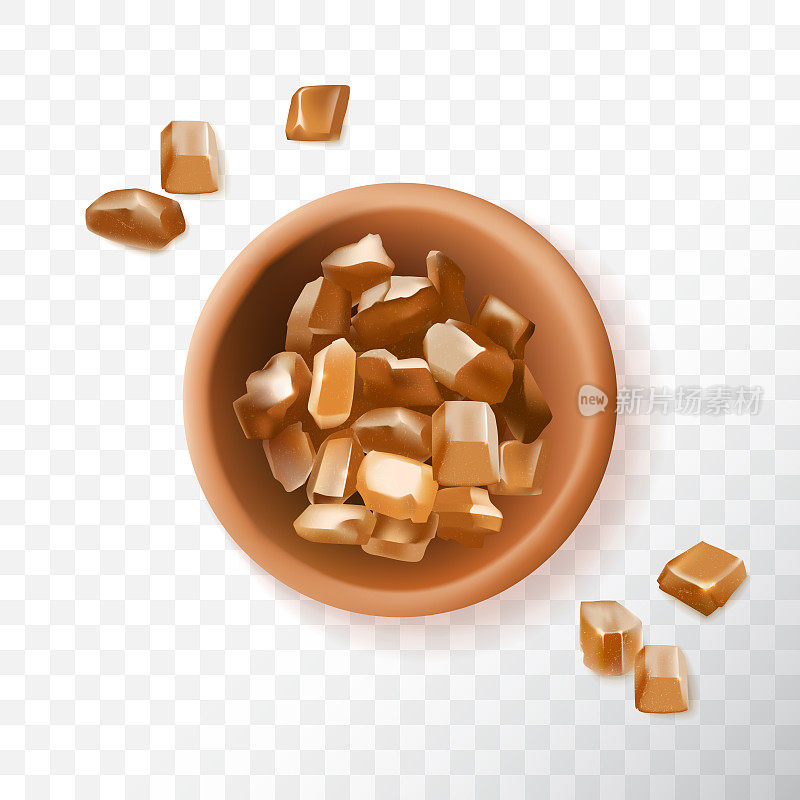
(465, 449)
(610, 637)
(333, 475)
(320, 315)
(661, 683)
(409, 346)
(276, 396)
(316, 113)
(466, 514)
(395, 309)
(290, 455)
(136, 217)
(400, 539)
(335, 523)
(332, 384)
(359, 266)
(396, 486)
(504, 325)
(703, 577)
(395, 430)
(466, 360)
(389, 381)
(189, 161)
(522, 468)
(524, 408)
(449, 281)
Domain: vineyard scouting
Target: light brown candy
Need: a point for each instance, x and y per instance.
(333, 474)
(396, 309)
(401, 539)
(189, 160)
(610, 637)
(449, 281)
(661, 681)
(504, 325)
(703, 577)
(359, 266)
(136, 218)
(320, 315)
(396, 486)
(466, 515)
(524, 408)
(389, 381)
(332, 383)
(465, 451)
(276, 397)
(466, 360)
(290, 455)
(334, 523)
(395, 430)
(316, 113)
(522, 468)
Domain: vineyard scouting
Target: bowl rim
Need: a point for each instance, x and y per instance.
(234, 284)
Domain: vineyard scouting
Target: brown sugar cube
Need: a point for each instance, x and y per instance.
(522, 468)
(389, 381)
(320, 315)
(332, 383)
(316, 113)
(396, 486)
(401, 539)
(465, 451)
(335, 523)
(276, 397)
(189, 160)
(466, 515)
(703, 577)
(359, 266)
(467, 361)
(449, 281)
(333, 474)
(610, 637)
(396, 309)
(504, 325)
(290, 455)
(395, 430)
(524, 408)
(661, 683)
(136, 218)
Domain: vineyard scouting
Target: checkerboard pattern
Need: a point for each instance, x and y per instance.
(142, 654)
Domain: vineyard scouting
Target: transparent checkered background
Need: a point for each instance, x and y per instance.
(141, 653)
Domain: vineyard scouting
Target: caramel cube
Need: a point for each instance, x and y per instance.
(276, 397)
(703, 577)
(610, 637)
(400, 539)
(504, 325)
(464, 439)
(359, 266)
(466, 360)
(396, 486)
(524, 408)
(316, 113)
(449, 281)
(389, 381)
(395, 430)
(332, 384)
(333, 473)
(661, 682)
(466, 515)
(320, 315)
(290, 455)
(189, 160)
(334, 523)
(522, 468)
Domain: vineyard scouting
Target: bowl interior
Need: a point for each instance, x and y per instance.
(498, 255)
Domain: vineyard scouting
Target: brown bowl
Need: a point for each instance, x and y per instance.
(243, 324)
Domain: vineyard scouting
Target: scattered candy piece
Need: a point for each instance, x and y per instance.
(189, 160)
(464, 438)
(290, 455)
(335, 523)
(320, 315)
(661, 682)
(316, 113)
(400, 539)
(504, 325)
(449, 281)
(359, 266)
(522, 468)
(610, 637)
(466, 514)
